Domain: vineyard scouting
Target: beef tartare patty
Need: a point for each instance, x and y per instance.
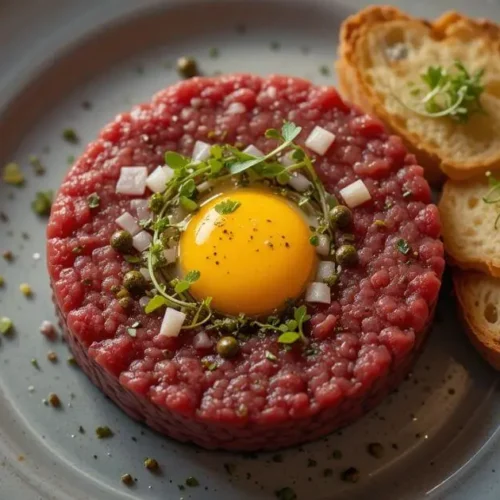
(361, 345)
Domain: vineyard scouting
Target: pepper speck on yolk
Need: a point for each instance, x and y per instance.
(251, 260)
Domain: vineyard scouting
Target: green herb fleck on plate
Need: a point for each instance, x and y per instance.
(324, 70)
(213, 52)
(103, 432)
(192, 482)
(42, 203)
(13, 175)
(35, 162)
(70, 136)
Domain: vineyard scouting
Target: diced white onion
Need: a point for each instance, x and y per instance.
(299, 182)
(141, 208)
(169, 172)
(236, 108)
(323, 247)
(141, 241)
(355, 194)
(287, 159)
(144, 301)
(132, 180)
(319, 140)
(204, 186)
(172, 322)
(170, 255)
(202, 341)
(319, 293)
(252, 150)
(157, 180)
(145, 272)
(127, 222)
(325, 269)
(201, 151)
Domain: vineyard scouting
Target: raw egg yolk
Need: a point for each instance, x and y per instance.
(252, 259)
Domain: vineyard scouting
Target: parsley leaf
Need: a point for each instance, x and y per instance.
(93, 200)
(227, 207)
(290, 131)
(190, 278)
(288, 337)
(155, 303)
(175, 160)
(403, 246)
(188, 204)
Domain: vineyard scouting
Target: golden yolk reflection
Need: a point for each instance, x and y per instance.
(251, 260)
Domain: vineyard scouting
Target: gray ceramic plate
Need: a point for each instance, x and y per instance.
(439, 431)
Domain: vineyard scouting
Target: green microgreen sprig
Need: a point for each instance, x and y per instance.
(227, 163)
(450, 92)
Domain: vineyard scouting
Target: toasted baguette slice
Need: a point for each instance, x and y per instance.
(469, 233)
(383, 51)
(479, 299)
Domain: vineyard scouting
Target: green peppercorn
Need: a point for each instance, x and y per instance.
(134, 282)
(156, 203)
(121, 241)
(228, 347)
(125, 303)
(151, 464)
(187, 67)
(122, 293)
(347, 256)
(341, 216)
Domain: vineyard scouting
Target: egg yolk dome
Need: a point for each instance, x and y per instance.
(252, 249)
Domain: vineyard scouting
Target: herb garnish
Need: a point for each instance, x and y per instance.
(403, 246)
(103, 432)
(227, 207)
(492, 197)
(93, 200)
(35, 162)
(70, 135)
(450, 92)
(42, 203)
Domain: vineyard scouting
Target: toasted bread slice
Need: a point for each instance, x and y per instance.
(384, 51)
(469, 225)
(479, 299)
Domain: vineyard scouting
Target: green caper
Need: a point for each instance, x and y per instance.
(347, 255)
(187, 67)
(156, 203)
(341, 216)
(134, 282)
(121, 241)
(125, 302)
(228, 347)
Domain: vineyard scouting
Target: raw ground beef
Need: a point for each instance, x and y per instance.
(363, 344)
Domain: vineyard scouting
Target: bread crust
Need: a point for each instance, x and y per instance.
(486, 263)
(356, 89)
(485, 342)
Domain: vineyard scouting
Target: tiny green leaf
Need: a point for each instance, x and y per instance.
(226, 207)
(155, 303)
(175, 160)
(132, 259)
(187, 204)
(216, 151)
(187, 188)
(403, 246)
(192, 276)
(182, 286)
(288, 337)
(291, 325)
(290, 131)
